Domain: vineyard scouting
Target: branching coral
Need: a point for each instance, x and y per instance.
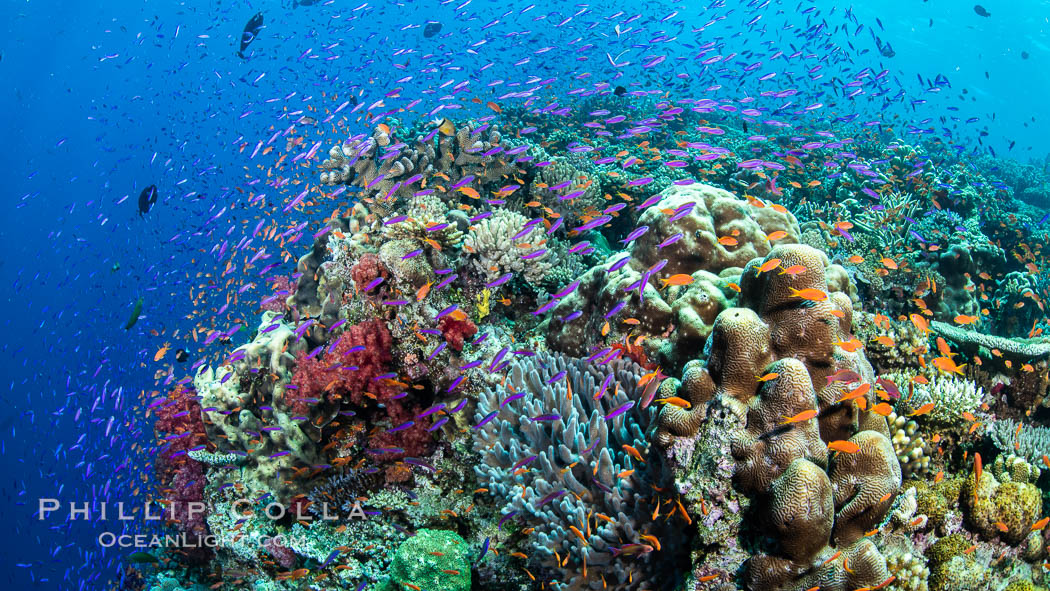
(1029, 442)
(387, 169)
(503, 244)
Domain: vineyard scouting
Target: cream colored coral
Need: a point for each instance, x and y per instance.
(491, 249)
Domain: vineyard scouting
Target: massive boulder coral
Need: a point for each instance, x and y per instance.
(719, 230)
(696, 230)
(786, 378)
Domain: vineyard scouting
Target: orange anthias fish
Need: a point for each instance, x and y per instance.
(679, 279)
(768, 266)
(850, 346)
(728, 241)
(855, 393)
(769, 376)
(800, 417)
(977, 474)
(946, 365)
(882, 408)
(847, 447)
(964, 319)
(675, 401)
(793, 270)
(924, 409)
(920, 323)
(810, 293)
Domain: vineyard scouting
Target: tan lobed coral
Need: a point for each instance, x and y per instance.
(769, 363)
(716, 214)
(674, 319)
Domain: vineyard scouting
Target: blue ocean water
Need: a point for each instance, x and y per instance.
(103, 99)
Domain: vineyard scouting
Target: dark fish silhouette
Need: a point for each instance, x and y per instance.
(251, 31)
(619, 91)
(147, 198)
(980, 10)
(432, 28)
(884, 47)
(1024, 55)
(297, 3)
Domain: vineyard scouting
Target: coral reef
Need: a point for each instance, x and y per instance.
(785, 369)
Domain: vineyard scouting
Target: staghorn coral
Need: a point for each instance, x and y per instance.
(574, 461)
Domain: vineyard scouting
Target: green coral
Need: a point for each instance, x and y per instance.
(1008, 509)
(435, 560)
(1022, 585)
(937, 500)
(948, 563)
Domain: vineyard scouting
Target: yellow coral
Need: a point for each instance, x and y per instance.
(483, 303)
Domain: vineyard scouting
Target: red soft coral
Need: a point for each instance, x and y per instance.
(367, 269)
(414, 441)
(179, 422)
(457, 331)
(364, 346)
(282, 288)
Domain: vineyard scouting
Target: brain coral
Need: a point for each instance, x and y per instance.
(788, 369)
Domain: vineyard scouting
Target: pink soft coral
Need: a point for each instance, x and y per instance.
(281, 288)
(367, 269)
